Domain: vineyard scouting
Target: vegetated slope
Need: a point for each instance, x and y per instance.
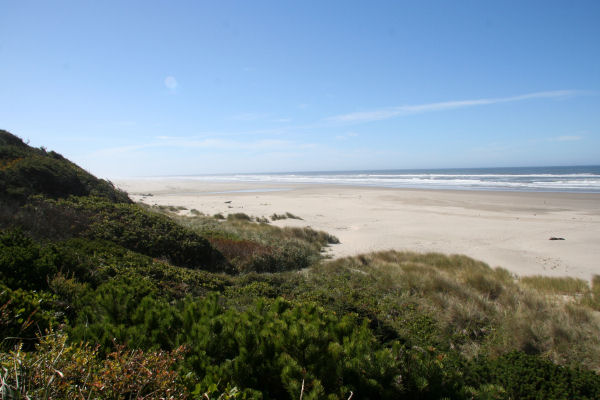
(25, 171)
(457, 303)
(251, 244)
(97, 300)
(370, 325)
(51, 198)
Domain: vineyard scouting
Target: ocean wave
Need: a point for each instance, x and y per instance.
(567, 181)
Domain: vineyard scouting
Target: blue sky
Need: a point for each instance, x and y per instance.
(128, 88)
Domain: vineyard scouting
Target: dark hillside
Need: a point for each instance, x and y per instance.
(50, 198)
(26, 171)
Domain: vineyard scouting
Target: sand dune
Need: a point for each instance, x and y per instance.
(507, 229)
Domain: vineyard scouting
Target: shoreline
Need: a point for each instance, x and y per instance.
(510, 229)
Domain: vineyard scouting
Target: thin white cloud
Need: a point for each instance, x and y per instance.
(347, 135)
(249, 116)
(208, 143)
(566, 138)
(223, 144)
(391, 112)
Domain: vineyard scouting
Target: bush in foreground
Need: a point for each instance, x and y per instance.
(58, 370)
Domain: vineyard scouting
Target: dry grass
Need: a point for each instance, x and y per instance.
(481, 309)
(287, 215)
(554, 285)
(252, 244)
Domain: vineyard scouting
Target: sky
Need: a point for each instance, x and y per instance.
(162, 88)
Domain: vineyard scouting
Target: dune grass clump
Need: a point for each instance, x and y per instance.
(556, 285)
(252, 244)
(287, 215)
(576, 292)
(592, 297)
(239, 217)
(173, 209)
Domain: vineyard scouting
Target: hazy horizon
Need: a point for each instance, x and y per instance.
(188, 88)
(385, 169)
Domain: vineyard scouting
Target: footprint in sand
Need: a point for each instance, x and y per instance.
(550, 263)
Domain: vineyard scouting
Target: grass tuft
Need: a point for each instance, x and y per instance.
(556, 285)
(287, 215)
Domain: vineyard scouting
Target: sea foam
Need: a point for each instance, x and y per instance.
(554, 179)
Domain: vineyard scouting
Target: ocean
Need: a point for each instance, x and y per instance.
(580, 179)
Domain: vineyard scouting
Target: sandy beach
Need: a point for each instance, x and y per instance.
(507, 229)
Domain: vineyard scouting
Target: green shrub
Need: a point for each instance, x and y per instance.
(24, 263)
(24, 314)
(125, 308)
(529, 377)
(273, 347)
(127, 225)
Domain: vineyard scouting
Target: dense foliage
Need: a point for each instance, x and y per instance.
(259, 247)
(101, 298)
(25, 171)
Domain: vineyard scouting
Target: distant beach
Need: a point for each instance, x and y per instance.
(577, 179)
(510, 228)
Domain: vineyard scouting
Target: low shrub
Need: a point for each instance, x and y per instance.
(529, 377)
(24, 314)
(58, 370)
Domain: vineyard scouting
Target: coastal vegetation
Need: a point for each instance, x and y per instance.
(287, 215)
(103, 298)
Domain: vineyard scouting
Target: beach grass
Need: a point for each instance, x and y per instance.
(475, 309)
(276, 217)
(556, 285)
